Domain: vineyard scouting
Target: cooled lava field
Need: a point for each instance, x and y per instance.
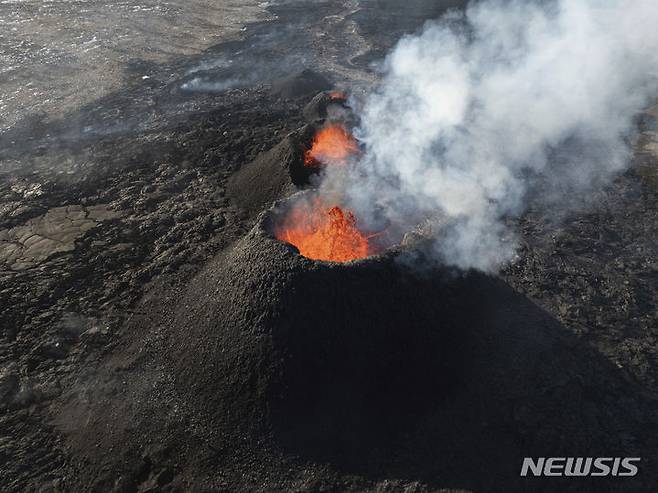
(160, 332)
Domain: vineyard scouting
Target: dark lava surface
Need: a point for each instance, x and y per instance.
(121, 249)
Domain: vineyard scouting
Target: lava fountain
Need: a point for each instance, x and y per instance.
(332, 144)
(323, 232)
(338, 96)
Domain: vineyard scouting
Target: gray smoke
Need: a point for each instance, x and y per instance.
(488, 107)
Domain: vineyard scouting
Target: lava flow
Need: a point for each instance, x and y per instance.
(323, 233)
(332, 144)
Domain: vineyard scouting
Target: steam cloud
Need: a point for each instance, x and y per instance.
(489, 107)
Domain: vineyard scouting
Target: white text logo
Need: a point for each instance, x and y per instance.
(580, 466)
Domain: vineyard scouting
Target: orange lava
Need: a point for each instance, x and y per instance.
(323, 233)
(338, 95)
(332, 144)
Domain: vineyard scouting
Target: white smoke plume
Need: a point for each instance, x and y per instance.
(506, 100)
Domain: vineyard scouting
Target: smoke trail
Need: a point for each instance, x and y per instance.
(492, 105)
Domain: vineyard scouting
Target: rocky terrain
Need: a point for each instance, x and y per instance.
(114, 196)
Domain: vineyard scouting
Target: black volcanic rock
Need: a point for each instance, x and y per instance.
(305, 83)
(316, 108)
(274, 174)
(327, 106)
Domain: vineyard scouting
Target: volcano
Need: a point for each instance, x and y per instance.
(292, 164)
(374, 365)
(379, 367)
(275, 173)
(319, 347)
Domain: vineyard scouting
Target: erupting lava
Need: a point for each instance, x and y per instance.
(332, 144)
(323, 233)
(338, 95)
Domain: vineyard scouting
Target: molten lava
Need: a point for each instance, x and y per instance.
(331, 145)
(323, 233)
